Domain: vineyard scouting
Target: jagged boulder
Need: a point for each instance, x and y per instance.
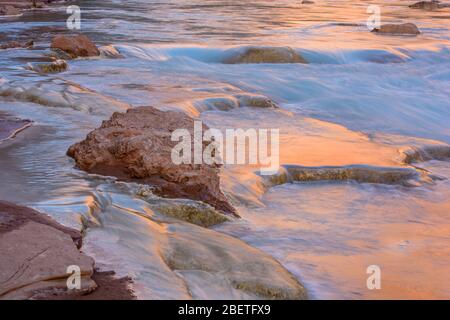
(75, 46)
(137, 146)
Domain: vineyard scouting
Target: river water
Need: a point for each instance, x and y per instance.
(361, 100)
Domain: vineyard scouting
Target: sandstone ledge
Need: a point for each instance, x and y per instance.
(36, 252)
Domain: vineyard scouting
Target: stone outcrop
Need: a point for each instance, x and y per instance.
(264, 55)
(35, 255)
(75, 46)
(398, 29)
(137, 146)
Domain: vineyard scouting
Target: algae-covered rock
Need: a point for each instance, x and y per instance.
(51, 67)
(265, 55)
(200, 214)
(426, 5)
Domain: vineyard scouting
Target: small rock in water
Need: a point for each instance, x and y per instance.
(398, 29)
(16, 44)
(52, 67)
(75, 46)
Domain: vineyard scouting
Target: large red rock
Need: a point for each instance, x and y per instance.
(75, 46)
(398, 29)
(16, 44)
(137, 146)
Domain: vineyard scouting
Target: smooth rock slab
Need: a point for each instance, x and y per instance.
(36, 256)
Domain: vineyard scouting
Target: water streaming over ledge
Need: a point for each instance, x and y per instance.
(363, 99)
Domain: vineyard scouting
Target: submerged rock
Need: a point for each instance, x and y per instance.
(51, 67)
(36, 252)
(265, 55)
(62, 94)
(223, 261)
(137, 146)
(398, 29)
(358, 173)
(75, 46)
(426, 153)
(254, 100)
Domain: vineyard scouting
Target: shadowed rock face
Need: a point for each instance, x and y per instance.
(266, 55)
(75, 46)
(398, 29)
(137, 146)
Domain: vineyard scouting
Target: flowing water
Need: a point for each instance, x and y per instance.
(362, 100)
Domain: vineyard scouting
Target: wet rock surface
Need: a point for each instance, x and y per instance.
(16, 44)
(398, 29)
(265, 55)
(51, 67)
(228, 262)
(75, 46)
(10, 126)
(426, 5)
(137, 146)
